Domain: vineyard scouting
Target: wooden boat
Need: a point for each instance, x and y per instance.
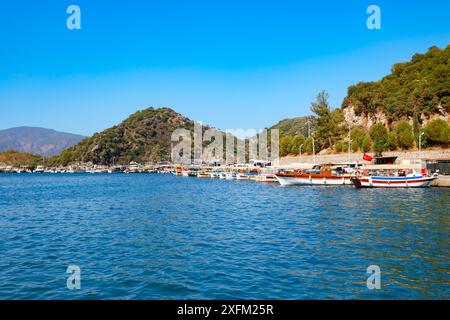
(318, 175)
(203, 174)
(409, 181)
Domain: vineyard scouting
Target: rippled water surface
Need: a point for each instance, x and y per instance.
(166, 237)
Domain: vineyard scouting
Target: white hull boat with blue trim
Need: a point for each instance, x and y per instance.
(410, 181)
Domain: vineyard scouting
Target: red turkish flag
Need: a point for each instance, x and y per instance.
(367, 157)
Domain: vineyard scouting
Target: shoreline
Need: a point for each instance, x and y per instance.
(434, 154)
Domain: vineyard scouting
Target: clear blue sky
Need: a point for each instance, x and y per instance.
(230, 64)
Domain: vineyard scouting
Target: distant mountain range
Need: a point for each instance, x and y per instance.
(44, 142)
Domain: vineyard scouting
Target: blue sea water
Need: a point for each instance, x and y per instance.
(150, 236)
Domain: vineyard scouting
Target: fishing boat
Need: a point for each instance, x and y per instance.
(409, 181)
(319, 175)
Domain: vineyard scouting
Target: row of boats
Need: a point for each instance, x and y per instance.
(229, 175)
(405, 175)
(325, 175)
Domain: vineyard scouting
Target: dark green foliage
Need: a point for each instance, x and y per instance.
(360, 139)
(404, 135)
(379, 136)
(329, 122)
(16, 158)
(308, 146)
(340, 146)
(366, 144)
(295, 126)
(285, 145)
(413, 88)
(437, 132)
(392, 140)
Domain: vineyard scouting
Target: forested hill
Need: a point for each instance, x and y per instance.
(412, 101)
(144, 136)
(416, 89)
(296, 126)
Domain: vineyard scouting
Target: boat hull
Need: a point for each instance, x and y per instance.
(393, 182)
(309, 181)
(230, 176)
(267, 178)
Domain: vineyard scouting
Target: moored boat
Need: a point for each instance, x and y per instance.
(39, 169)
(192, 173)
(267, 178)
(242, 176)
(319, 175)
(215, 174)
(409, 181)
(203, 174)
(185, 173)
(230, 176)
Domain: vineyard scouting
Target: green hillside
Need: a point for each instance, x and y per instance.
(16, 159)
(415, 91)
(420, 86)
(295, 126)
(144, 136)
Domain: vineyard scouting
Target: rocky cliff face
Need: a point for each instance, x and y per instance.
(367, 120)
(418, 89)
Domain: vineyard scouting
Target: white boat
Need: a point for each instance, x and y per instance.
(267, 177)
(247, 176)
(230, 176)
(409, 181)
(39, 169)
(242, 176)
(223, 175)
(215, 174)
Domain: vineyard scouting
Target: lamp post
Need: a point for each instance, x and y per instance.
(420, 144)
